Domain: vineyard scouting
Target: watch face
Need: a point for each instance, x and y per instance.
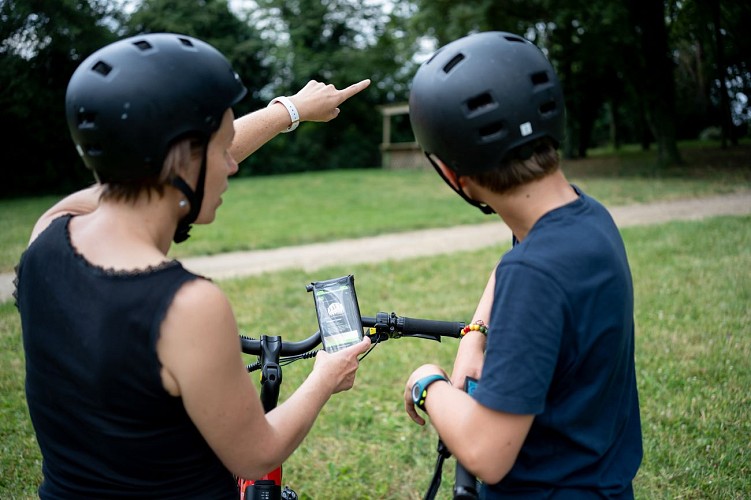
(416, 390)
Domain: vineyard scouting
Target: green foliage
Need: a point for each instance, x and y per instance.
(447, 20)
(710, 41)
(277, 46)
(41, 45)
(341, 43)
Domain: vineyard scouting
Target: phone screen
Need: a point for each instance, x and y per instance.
(338, 313)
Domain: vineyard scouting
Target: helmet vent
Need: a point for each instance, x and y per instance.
(142, 45)
(86, 120)
(94, 151)
(186, 42)
(479, 102)
(547, 108)
(515, 39)
(102, 68)
(540, 78)
(453, 62)
(491, 131)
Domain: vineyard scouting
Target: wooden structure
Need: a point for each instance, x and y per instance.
(399, 155)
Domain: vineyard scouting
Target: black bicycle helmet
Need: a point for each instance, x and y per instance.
(482, 96)
(129, 101)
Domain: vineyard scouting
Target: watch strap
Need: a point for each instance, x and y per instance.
(294, 115)
(418, 397)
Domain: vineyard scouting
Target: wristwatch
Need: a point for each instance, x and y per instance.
(420, 389)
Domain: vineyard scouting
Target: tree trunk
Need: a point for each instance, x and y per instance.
(657, 81)
(726, 121)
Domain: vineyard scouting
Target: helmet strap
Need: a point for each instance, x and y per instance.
(486, 209)
(194, 197)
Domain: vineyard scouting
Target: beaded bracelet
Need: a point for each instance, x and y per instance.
(476, 326)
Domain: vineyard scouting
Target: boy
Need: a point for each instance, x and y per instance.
(556, 412)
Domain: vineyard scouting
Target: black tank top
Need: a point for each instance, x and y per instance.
(105, 425)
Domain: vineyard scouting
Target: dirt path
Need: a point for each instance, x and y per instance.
(429, 242)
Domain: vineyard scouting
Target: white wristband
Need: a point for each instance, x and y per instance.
(291, 109)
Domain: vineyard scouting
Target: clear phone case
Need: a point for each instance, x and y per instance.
(338, 312)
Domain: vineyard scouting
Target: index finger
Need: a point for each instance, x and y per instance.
(354, 89)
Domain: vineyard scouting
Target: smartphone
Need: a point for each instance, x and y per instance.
(470, 384)
(338, 312)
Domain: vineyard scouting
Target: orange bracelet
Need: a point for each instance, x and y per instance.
(476, 326)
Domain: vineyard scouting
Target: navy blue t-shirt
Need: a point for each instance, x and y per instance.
(561, 347)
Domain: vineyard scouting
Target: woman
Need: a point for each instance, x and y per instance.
(135, 381)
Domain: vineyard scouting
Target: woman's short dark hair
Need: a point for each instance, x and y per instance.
(178, 159)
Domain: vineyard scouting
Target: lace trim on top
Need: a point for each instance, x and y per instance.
(107, 271)
(111, 271)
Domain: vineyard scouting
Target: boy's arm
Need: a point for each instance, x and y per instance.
(471, 352)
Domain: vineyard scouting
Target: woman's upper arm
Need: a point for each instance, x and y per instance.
(200, 350)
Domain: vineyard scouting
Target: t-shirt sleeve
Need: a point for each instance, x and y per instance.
(526, 327)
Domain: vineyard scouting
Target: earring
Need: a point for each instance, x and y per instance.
(183, 203)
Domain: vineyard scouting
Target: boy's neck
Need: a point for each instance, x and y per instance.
(522, 207)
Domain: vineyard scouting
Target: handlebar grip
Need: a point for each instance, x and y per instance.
(413, 326)
(465, 485)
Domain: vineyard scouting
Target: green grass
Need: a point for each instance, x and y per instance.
(693, 289)
(269, 212)
(692, 284)
(17, 217)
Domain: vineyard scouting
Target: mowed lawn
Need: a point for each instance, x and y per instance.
(692, 285)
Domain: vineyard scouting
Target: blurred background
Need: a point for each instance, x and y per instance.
(643, 72)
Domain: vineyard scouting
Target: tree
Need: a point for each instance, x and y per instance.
(713, 65)
(338, 42)
(447, 20)
(42, 44)
(588, 48)
(655, 76)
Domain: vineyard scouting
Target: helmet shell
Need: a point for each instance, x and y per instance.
(128, 102)
(483, 95)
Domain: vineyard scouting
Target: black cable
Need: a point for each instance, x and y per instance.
(291, 359)
(370, 349)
